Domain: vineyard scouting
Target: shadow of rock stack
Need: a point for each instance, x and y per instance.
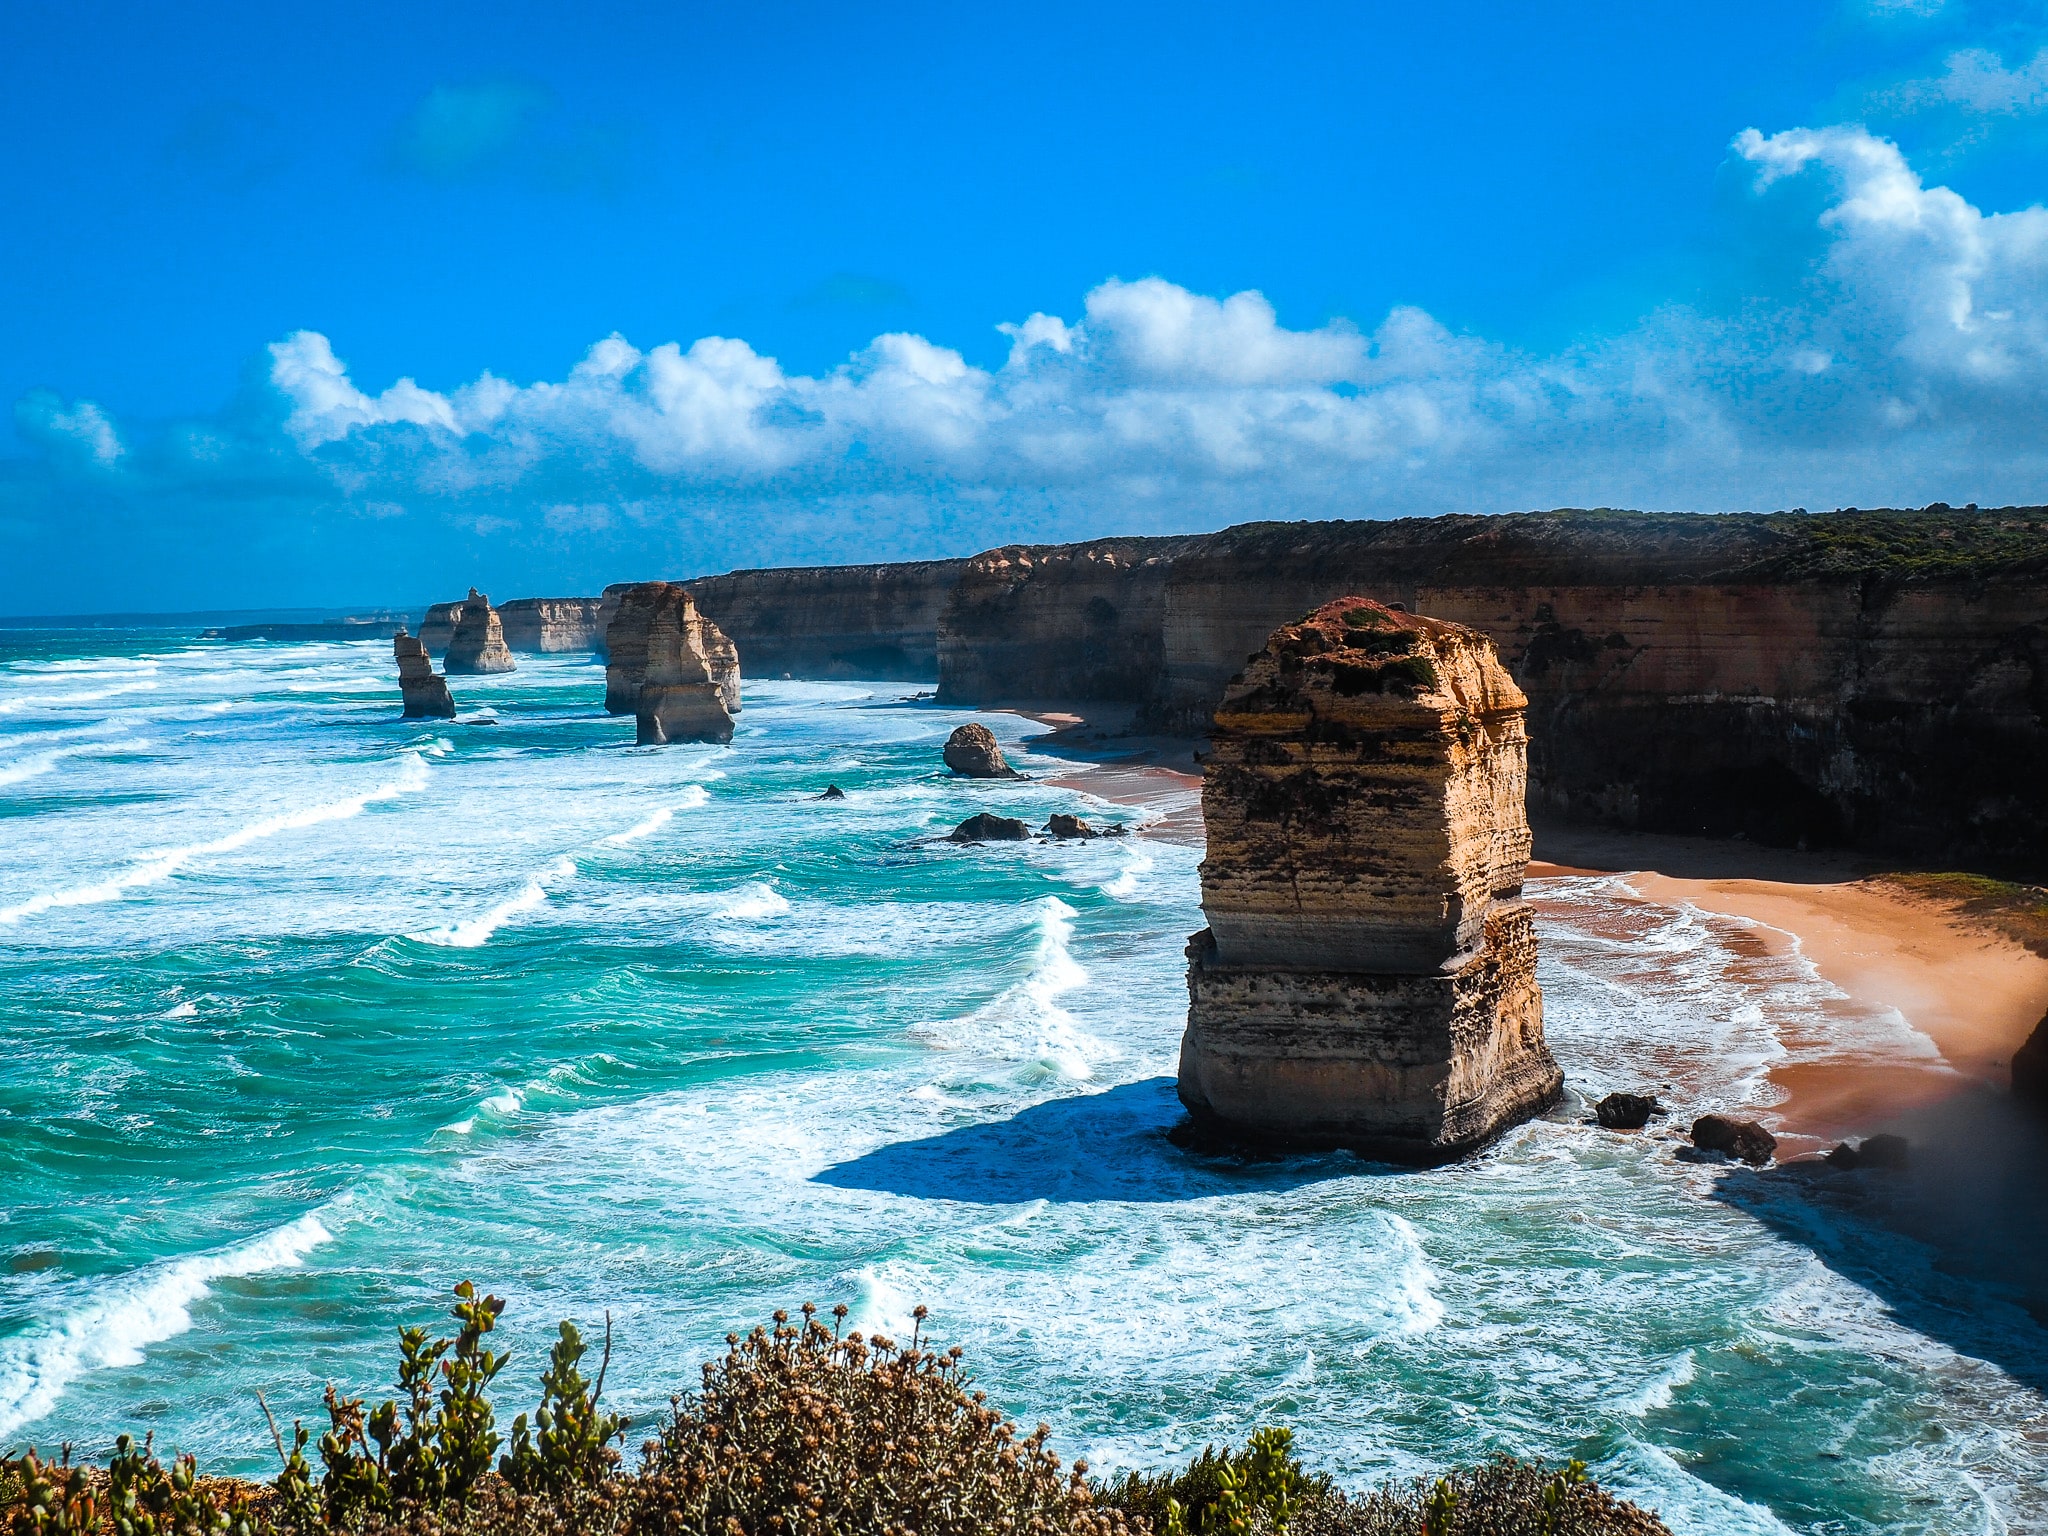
(477, 645)
(1368, 976)
(669, 667)
(425, 690)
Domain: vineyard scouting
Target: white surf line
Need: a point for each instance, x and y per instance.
(38, 763)
(126, 1315)
(477, 932)
(689, 798)
(412, 776)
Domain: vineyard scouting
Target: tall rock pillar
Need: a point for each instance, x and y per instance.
(1368, 975)
(477, 644)
(424, 690)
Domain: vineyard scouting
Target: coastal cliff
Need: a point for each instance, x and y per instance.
(1367, 978)
(872, 622)
(552, 625)
(1870, 678)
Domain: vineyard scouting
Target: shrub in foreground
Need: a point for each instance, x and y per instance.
(799, 1430)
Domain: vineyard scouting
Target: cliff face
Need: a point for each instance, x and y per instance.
(852, 621)
(1872, 678)
(1058, 622)
(552, 624)
(669, 666)
(424, 690)
(1367, 977)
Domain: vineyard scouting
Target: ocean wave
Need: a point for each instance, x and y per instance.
(1137, 864)
(161, 866)
(689, 798)
(39, 763)
(63, 700)
(1026, 1021)
(750, 903)
(477, 931)
(127, 1315)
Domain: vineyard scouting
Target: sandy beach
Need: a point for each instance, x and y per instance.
(1972, 991)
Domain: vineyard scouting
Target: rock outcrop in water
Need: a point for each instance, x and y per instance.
(669, 667)
(1368, 976)
(425, 691)
(649, 616)
(438, 627)
(973, 752)
(477, 646)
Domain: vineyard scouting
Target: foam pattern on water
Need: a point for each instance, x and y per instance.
(313, 1011)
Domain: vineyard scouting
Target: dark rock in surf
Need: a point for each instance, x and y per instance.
(1844, 1156)
(1887, 1151)
(1737, 1138)
(985, 828)
(973, 753)
(1066, 827)
(1626, 1111)
(833, 792)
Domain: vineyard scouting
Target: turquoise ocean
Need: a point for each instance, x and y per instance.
(307, 1013)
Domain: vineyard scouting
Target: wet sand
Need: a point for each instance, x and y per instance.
(1974, 993)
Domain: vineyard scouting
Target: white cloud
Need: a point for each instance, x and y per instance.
(1909, 364)
(1977, 80)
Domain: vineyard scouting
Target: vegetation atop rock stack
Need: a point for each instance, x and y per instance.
(801, 1429)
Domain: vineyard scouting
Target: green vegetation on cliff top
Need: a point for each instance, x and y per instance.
(800, 1430)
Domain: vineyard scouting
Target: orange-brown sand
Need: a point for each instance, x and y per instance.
(1975, 994)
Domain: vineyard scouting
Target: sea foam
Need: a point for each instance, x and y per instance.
(477, 931)
(122, 1318)
(411, 776)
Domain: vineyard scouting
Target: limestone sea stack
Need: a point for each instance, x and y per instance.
(1368, 976)
(425, 690)
(639, 612)
(438, 627)
(478, 644)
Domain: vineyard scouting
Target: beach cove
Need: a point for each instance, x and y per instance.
(313, 1012)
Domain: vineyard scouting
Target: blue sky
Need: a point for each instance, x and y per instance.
(327, 306)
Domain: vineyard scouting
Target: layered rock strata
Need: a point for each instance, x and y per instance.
(553, 625)
(1367, 978)
(871, 622)
(644, 611)
(425, 691)
(438, 627)
(670, 667)
(477, 646)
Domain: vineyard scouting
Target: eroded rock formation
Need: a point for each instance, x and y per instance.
(478, 645)
(649, 618)
(438, 627)
(425, 690)
(838, 621)
(973, 752)
(669, 667)
(1367, 978)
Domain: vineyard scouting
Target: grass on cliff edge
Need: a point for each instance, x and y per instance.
(799, 1430)
(2016, 912)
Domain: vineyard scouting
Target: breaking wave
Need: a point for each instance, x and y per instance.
(161, 866)
(477, 931)
(131, 1313)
